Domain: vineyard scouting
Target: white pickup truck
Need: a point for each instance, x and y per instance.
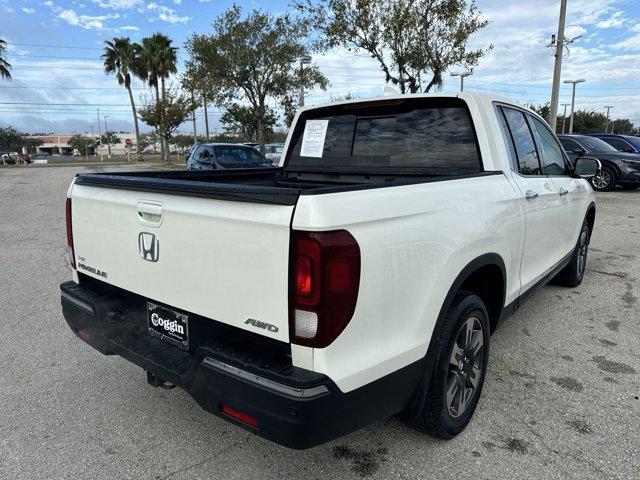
(360, 279)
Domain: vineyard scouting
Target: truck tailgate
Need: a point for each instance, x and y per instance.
(224, 260)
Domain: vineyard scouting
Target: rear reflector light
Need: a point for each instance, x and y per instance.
(325, 278)
(72, 257)
(240, 416)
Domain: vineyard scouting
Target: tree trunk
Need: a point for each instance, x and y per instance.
(206, 116)
(261, 132)
(135, 124)
(163, 141)
(434, 80)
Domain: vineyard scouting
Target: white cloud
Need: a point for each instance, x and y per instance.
(166, 14)
(28, 10)
(615, 20)
(119, 4)
(132, 28)
(631, 43)
(177, 2)
(85, 21)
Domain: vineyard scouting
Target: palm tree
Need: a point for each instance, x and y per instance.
(5, 66)
(121, 57)
(158, 60)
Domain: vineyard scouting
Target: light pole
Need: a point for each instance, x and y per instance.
(606, 125)
(564, 115)
(573, 100)
(100, 135)
(461, 75)
(306, 60)
(106, 132)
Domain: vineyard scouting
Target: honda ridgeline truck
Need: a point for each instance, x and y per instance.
(360, 279)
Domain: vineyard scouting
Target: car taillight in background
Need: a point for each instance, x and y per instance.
(325, 277)
(72, 257)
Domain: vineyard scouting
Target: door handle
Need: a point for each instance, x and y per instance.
(530, 195)
(150, 213)
(563, 192)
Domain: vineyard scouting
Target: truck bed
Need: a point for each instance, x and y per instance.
(275, 186)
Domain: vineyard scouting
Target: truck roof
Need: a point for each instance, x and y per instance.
(474, 96)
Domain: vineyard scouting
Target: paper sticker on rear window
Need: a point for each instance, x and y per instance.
(315, 132)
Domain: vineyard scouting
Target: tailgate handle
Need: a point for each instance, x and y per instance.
(150, 213)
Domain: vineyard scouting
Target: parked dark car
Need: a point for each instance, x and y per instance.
(618, 168)
(622, 143)
(221, 156)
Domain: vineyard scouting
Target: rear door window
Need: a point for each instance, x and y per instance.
(523, 140)
(430, 135)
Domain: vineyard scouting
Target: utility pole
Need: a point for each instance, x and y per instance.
(557, 67)
(573, 100)
(303, 61)
(564, 115)
(106, 132)
(462, 75)
(100, 136)
(606, 125)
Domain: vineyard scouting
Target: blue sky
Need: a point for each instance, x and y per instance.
(58, 81)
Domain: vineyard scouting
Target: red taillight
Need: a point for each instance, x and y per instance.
(72, 257)
(325, 279)
(240, 416)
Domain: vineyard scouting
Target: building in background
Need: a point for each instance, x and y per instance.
(58, 144)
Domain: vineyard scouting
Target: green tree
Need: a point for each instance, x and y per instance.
(408, 39)
(10, 139)
(122, 57)
(82, 143)
(244, 122)
(30, 143)
(182, 141)
(167, 115)
(252, 59)
(110, 138)
(158, 60)
(5, 67)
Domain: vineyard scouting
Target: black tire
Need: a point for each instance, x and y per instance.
(439, 416)
(573, 273)
(605, 180)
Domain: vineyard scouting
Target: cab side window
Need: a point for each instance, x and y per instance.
(508, 140)
(552, 157)
(523, 140)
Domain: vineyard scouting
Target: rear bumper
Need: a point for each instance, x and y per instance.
(294, 407)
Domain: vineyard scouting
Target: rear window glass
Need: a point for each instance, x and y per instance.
(423, 134)
(234, 156)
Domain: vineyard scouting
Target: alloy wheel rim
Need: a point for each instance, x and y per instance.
(582, 251)
(466, 365)
(602, 179)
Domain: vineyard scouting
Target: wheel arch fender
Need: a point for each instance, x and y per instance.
(484, 263)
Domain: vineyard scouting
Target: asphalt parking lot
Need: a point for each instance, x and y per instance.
(561, 399)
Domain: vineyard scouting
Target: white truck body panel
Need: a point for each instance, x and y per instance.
(224, 260)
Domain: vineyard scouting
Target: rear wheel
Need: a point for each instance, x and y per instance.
(605, 180)
(573, 273)
(462, 352)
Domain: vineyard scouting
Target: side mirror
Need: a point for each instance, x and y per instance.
(586, 167)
